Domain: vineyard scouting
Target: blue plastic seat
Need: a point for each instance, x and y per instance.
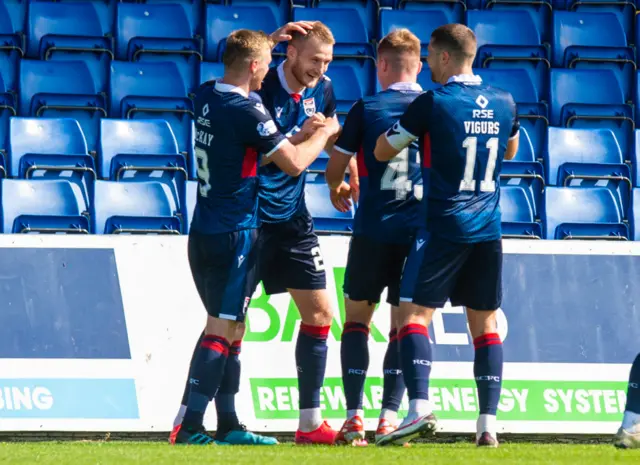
(62, 89)
(140, 151)
(326, 219)
(281, 9)
(134, 208)
(159, 32)
(625, 11)
(193, 10)
(210, 71)
(153, 91)
(587, 158)
(223, 20)
(368, 10)
(589, 213)
(578, 42)
(453, 9)
(50, 206)
(51, 148)
(424, 79)
(540, 11)
(421, 23)
(12, 26)
(634, 216)
(55, 28)
(518, 217)
(106, 9)
(352, 40)
(635, 156)
(346, 87)
(509, 39)
(590, 98)
(192, 197)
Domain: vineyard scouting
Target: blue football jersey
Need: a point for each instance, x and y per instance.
(281, 195)
(231, 131)
(463, 129)
(389, 210)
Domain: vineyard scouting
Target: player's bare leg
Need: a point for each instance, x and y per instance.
(487, 370)
(311, 362)
(205, 376)
(415, 349)
(628, 436)
(354, 356)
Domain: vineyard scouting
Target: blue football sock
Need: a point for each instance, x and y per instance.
(487, 369)
(354, 355)
(415, 352)
(229, 387)
(311, 361)
(633, 393)
(206, 374)
(185, 393)
(393, 389)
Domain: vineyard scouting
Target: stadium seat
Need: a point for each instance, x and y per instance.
(51, 206)
(54, 28)
(223, 20)
(192, 195)
(46, 148)
(421, 23)
(539, 10)
(159, 32)
(134, 208)
(210, 71)
(368, 11)
(635, 157)
(588, 158)
(326, 219)
(424, 79)
(578, 42)
(106, 9)
(352, 40)
(12, 26)
(141, 151)
(62, 89)
(518, 218)
(590, 98)
(281, 9)
(634, 216)
(533, 113)
(193, 10)
(509, 39)
(625, 11)
(589, 213)
(153, 91)
(453, 9)
(346, 87)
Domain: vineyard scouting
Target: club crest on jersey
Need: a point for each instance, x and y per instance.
(309, 105)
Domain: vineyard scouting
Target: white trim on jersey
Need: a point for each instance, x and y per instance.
(283, 79)
(515, 136)
(470, 79)
(413, 86)
(226, 316)
(276, 148)
(224, 88)
(400, 137)
(346, 152)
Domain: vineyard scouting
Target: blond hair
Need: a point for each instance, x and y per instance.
(243, 46)
(401, 49)
(457, 39)
(320, 32)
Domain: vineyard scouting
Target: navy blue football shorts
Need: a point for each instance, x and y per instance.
(437, 270)
(372, 266)
(225, 270)
(290, 256)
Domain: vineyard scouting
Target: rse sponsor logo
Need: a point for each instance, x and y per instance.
(482, 101)
(204, 138)
(487, 114)
(204, 121)
(267, 128)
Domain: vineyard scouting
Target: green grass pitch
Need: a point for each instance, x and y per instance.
(156, 453)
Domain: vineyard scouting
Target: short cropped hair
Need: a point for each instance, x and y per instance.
(457, 39)
(320, 31)
(400, 42)
(244, 45)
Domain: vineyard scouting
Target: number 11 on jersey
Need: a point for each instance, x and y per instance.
(487, 184)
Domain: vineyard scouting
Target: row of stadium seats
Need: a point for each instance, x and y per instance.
(579, 98)
(190, 19)
(58, 206)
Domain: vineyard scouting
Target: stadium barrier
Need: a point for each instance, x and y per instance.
(96, 334)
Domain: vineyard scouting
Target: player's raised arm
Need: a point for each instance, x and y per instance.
(294, 159)
(412, 125)
(514, 139)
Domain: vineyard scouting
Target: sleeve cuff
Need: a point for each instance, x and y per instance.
(276, 148)
(346, 152)
(515, 136)
(398, 137)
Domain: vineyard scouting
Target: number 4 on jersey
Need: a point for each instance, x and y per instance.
(396, 176)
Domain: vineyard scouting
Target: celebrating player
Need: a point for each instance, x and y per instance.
(231, 131)
(628, 436)
(386, 220)
(465, 129)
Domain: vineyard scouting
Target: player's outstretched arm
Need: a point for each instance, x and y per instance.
(340, 192)
(293, 160)
(384, 151)
(512, 147)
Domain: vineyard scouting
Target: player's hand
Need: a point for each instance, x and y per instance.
(284, 33)
(354, 184)
(311, 125)
(341, 197)
(332, 126)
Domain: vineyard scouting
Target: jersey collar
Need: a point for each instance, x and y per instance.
(224, 88)
(414, 86)
(469, 79)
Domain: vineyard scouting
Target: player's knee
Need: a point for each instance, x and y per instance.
(412, 314)
(240, 331)
(358, 311)
(482, 322)
(314, 306)
(222, 328)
